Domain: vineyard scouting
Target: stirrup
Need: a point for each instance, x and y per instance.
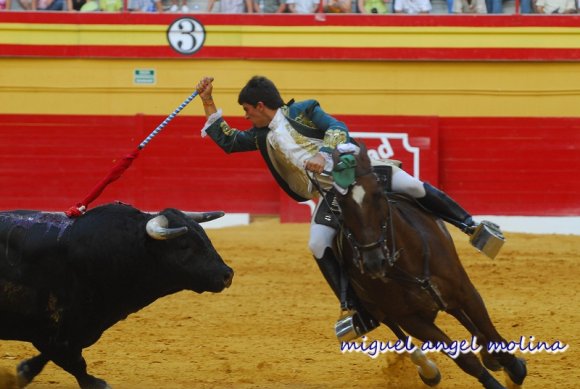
(351, 325)
(487, 238)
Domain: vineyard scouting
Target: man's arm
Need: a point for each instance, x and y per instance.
(210, 4)
(204, 89)
(229, 139)
(335, 133)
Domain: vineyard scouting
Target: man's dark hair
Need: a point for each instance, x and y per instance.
(259, 88)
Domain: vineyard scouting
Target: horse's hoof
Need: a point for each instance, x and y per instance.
(516, 373)
(426, 368)
(488, 381)
(490, 362)
(431, 381)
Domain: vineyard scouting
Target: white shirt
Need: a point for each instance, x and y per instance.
(304, 6)
(555, 6)
(296, 148)
(412, 6)
(290, 151)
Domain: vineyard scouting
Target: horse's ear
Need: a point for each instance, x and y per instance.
(335, 157)
(363, 147)
(363, 155)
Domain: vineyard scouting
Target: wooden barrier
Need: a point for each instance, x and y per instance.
(504, 166)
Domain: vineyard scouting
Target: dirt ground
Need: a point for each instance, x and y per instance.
(274, 327)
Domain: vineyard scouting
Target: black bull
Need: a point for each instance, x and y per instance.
(63, 282)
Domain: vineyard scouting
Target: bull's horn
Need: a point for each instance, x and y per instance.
(201, 217)
(157, 229)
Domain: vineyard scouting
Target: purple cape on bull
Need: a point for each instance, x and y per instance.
(63, 281)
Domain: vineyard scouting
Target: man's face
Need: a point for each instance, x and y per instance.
(258, 115)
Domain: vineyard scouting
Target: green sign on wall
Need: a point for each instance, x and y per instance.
(144, 76)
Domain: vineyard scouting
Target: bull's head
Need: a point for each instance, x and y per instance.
(188, 251)
(157, 228)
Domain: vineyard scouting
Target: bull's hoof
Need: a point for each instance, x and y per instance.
(434, 381)
(516, 373)
(94, 383)
(23, 374)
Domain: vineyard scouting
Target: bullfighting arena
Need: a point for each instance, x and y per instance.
(274, 327)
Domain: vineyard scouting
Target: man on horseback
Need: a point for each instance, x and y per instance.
(296, 140)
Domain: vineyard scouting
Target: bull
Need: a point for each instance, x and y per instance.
(63, 282)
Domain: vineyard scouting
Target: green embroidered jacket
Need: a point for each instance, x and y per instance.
(306, 117)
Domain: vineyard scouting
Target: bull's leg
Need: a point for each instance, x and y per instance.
(426, 330)
(514, 367)
(30, 368)
(73, 363)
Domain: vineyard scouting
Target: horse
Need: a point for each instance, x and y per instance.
(402, 264)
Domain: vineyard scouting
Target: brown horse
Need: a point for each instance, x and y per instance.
(403, 266)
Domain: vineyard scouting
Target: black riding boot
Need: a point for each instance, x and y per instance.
(447, 209)
(362, 321)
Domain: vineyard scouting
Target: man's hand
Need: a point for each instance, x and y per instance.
(205, 88)
(315, 164)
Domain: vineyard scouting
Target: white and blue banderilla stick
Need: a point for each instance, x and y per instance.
(167, 120)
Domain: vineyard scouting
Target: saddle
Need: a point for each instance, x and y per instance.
(329, 213)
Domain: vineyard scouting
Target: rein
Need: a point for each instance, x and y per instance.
(391, 255)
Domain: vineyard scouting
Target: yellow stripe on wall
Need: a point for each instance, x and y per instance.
(296, 36)
(69, 34)
(105, 87)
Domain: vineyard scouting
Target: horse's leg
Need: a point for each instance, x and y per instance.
(488, 360)
(30, 368)
(426, 330)
(427, 369)
(514, 367)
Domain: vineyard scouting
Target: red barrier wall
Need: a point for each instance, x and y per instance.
(512, 166)
(502, 166)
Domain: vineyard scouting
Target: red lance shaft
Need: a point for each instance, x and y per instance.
(123, 164)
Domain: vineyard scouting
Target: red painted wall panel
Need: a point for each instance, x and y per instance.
(504, 166)
(52, 162)
(512, 166)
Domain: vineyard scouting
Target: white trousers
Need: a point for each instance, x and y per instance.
(321, 236)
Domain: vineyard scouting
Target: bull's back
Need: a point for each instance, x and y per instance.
(33, 245)
(32, 263)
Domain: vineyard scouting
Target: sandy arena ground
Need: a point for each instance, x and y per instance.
(274, 327)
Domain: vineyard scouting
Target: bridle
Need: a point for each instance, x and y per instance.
(390, 254)
(390, 270)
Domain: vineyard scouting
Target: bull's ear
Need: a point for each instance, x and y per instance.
(157, 229)
(201, 217)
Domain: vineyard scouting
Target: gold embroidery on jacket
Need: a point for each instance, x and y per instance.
(226, 129)
(302, 119)
(302, 141)
(333, 138)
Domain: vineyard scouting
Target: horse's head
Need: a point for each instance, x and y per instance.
(365, 210)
